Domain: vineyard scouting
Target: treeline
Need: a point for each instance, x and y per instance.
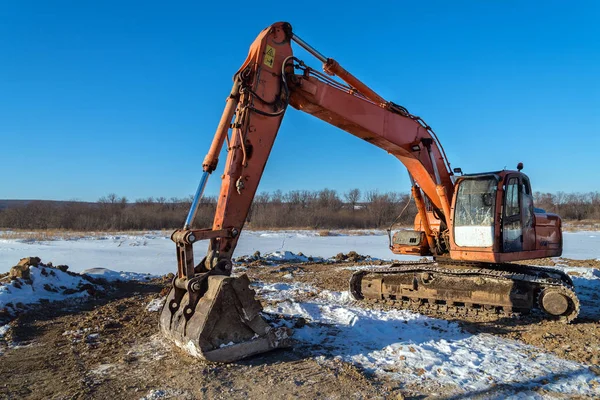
(109, 213)
(323, 209)
(570, 206)
(326, 209)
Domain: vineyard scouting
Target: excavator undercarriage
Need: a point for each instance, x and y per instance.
(469, 288)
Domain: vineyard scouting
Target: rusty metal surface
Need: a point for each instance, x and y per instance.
(410, 242)
(189, 236)
(443, 285)
(226, 326)
(263, 96)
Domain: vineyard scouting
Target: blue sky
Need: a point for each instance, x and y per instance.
(122, 96)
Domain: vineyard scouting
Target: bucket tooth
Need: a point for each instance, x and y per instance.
(226, 325)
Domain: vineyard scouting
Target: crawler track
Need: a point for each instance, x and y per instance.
(460, 288)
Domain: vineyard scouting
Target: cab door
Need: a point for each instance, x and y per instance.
(512, 225)
(527, 214)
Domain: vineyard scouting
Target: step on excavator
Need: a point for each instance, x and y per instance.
(470, 228)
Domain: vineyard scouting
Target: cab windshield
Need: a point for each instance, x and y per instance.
(475, 202)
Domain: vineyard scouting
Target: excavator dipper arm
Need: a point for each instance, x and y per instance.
(207, 312)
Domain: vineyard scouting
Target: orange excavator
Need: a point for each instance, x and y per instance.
(473, 226)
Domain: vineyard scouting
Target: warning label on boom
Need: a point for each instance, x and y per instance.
(269, 56)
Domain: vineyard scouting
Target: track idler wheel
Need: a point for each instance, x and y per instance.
(559, 303)
(355, 285)
(226, 325)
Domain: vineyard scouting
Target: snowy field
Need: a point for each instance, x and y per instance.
(396, 344)
(405, 345)
(155, 253)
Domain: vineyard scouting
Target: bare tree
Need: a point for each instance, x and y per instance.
(352, 198)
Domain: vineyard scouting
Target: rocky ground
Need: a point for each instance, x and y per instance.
(107, 347)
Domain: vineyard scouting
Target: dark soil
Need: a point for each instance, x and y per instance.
(108, 347)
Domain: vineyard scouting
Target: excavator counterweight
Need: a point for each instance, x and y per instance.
(473, 226)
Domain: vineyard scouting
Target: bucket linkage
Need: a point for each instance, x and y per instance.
(211, 314)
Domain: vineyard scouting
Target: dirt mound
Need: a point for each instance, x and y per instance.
(108, 347)
(276, 257)
(591, 263)
(32, 282)
(282, 257)
(351, 256)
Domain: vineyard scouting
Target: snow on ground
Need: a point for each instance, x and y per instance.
(283, 291)
(155, 253)
(373, 243)
(582, 245)
(150, 253)
(3, 330)
(156, 394)
(156, 304)
(279, 256)
(112, 276)
(51, 284)
(406, 345)
(45, 283)
(394, 343)
(285, 256)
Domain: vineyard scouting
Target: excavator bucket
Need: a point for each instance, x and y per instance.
(227, 324)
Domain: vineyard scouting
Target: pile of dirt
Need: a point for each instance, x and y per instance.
(33, 282)
(591, 263)
(22, 269)
(352, 256)
(249, 259)
(277, 258)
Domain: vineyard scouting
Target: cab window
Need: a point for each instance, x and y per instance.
(474, 212)
(475, 202)
(512, 197)
(527, 201)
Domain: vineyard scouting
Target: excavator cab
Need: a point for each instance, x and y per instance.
(493, 223)
(494, 220)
